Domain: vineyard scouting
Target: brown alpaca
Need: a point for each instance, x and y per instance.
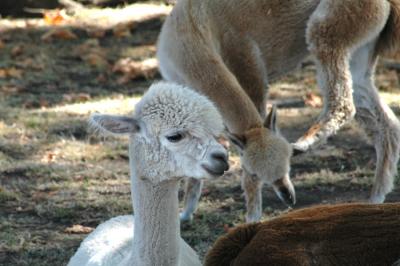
(346, 234)
(230, 50)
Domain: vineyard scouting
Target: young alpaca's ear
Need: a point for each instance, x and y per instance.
(114, 124)
(271, 120)
(237, 140)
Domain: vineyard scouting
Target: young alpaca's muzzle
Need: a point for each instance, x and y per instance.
(284, 190)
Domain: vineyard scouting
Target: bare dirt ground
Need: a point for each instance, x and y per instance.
(54, 174)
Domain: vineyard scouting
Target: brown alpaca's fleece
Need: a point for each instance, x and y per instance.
(345, 234)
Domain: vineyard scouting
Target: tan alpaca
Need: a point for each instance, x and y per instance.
(344, 234)
(230, 50)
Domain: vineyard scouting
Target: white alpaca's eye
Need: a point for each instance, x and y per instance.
(176, 137)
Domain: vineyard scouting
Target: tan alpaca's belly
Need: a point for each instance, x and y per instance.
(276, 28)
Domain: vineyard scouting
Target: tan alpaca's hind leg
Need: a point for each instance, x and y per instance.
(334, 31)
(378, 120)
(193, 188)
(252, 191)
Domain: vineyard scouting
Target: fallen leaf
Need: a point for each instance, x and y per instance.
(44, 191)
(3, 73)
(83, 97)
(123, 30)
(78, 177)
(74, 97)
(10, 89)
(54, 17)
(30, 24)
(313, 100)
(15, 73)
(63, 34)
(91, 52)
(17, 50)
(44, 103)
(133, 69)
(29, 63)
(95, 60)
(87, 46)
(95, 33)
(78, 229)
(51, 157)
(11, 72)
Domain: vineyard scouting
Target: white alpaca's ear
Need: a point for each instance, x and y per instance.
(271, 120)
(114, 124)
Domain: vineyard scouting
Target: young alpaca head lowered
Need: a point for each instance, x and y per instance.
(172, 134)
(265, 155)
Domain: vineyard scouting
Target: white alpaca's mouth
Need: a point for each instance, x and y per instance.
(213, 172)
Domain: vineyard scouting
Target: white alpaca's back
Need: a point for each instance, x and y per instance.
(111, 244)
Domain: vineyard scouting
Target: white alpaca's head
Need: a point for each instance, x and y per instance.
(172, 134)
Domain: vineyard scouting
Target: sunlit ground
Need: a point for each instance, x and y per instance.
(55, 174)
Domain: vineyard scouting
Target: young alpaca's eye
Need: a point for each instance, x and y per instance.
(176, 137)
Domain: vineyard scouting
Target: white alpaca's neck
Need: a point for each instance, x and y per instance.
(157, 232)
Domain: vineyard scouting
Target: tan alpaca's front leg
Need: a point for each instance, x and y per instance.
(333, 32)
(252, 191)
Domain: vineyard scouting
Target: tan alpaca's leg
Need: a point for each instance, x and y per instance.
(378, 120)
(252, 191)
(193, 188)
(333, 32)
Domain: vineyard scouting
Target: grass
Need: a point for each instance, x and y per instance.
(54, 173)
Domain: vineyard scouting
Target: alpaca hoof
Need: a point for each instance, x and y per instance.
(315, 136)
(301, 146)
(377, 199)
(252, 218)
(184, 217)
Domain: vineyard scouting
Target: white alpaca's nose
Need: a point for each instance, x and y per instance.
(217, 163)
(221, 159)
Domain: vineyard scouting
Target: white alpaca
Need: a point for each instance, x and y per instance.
(172, 135)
